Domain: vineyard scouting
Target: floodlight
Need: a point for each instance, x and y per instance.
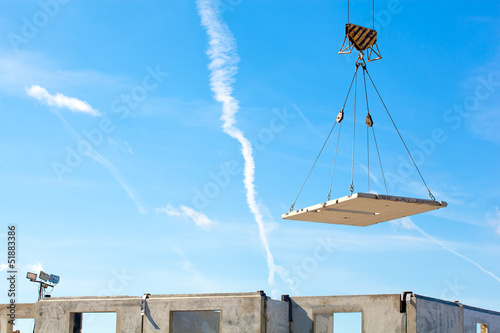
(31, 276)
(54, 279)
(44, 276)
(44, 281)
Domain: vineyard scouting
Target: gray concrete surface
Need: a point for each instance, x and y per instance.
(257, 313)
(23, 311)
(277, 313)
(432, 315)
(240, 312)
(380, 313)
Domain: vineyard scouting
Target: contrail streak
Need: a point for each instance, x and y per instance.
(223, 67)
(104, 162)
(412, 225)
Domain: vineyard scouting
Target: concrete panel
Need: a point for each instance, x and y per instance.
(276, 316)
(472, 316)
(255, 313)
(323, 323)
(23, 311)
(380, 313)
(240, 313)
(54, 314)
(437, 316)
(363, 209)
(411, 313)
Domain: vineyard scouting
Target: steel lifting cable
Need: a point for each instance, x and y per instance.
(334, 162)
(338, 137)
(324, 144)
(367, 129)
(406, 147)
(379, 160)
(314, 164)
(351, 188)
(373, 13)
(347, 11)
(368, 155)
(350, 86)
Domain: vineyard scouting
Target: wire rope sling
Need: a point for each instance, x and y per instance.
(362, 208)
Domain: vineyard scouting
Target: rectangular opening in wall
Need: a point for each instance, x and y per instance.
(24, 325)
(98, 322)
(347, 322)
(481, 328)
(195, 321)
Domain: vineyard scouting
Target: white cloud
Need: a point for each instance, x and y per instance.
(199, 218)
(90, 151)
(60, 101)
(35, 268)
(223, 68)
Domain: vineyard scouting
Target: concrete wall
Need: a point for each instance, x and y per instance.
(23, 311)
(55, 314)
(255, 313)
(438, 316)
(277, 314)
(240, 313)
(380, 313)
(473, 316)
(431, 315)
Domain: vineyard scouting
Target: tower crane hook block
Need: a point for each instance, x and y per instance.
(363, 209)
(362, 39)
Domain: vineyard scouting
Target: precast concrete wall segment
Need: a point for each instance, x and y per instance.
(438, 316)
(239, 313)
(55, 314)
(22, 311)
(380, 313)
(473, 316)
(277, 316)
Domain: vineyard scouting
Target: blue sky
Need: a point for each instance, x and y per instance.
(126, 217)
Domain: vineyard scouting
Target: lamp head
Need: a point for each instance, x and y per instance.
(44, 276)
(31, 276)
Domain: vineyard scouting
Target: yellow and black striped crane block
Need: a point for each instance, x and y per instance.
(362, 39)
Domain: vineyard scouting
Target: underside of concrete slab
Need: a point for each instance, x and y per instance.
(363, 209)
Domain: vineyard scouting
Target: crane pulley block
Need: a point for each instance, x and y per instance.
(369, 120)
(362, 39)
(340, 116)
